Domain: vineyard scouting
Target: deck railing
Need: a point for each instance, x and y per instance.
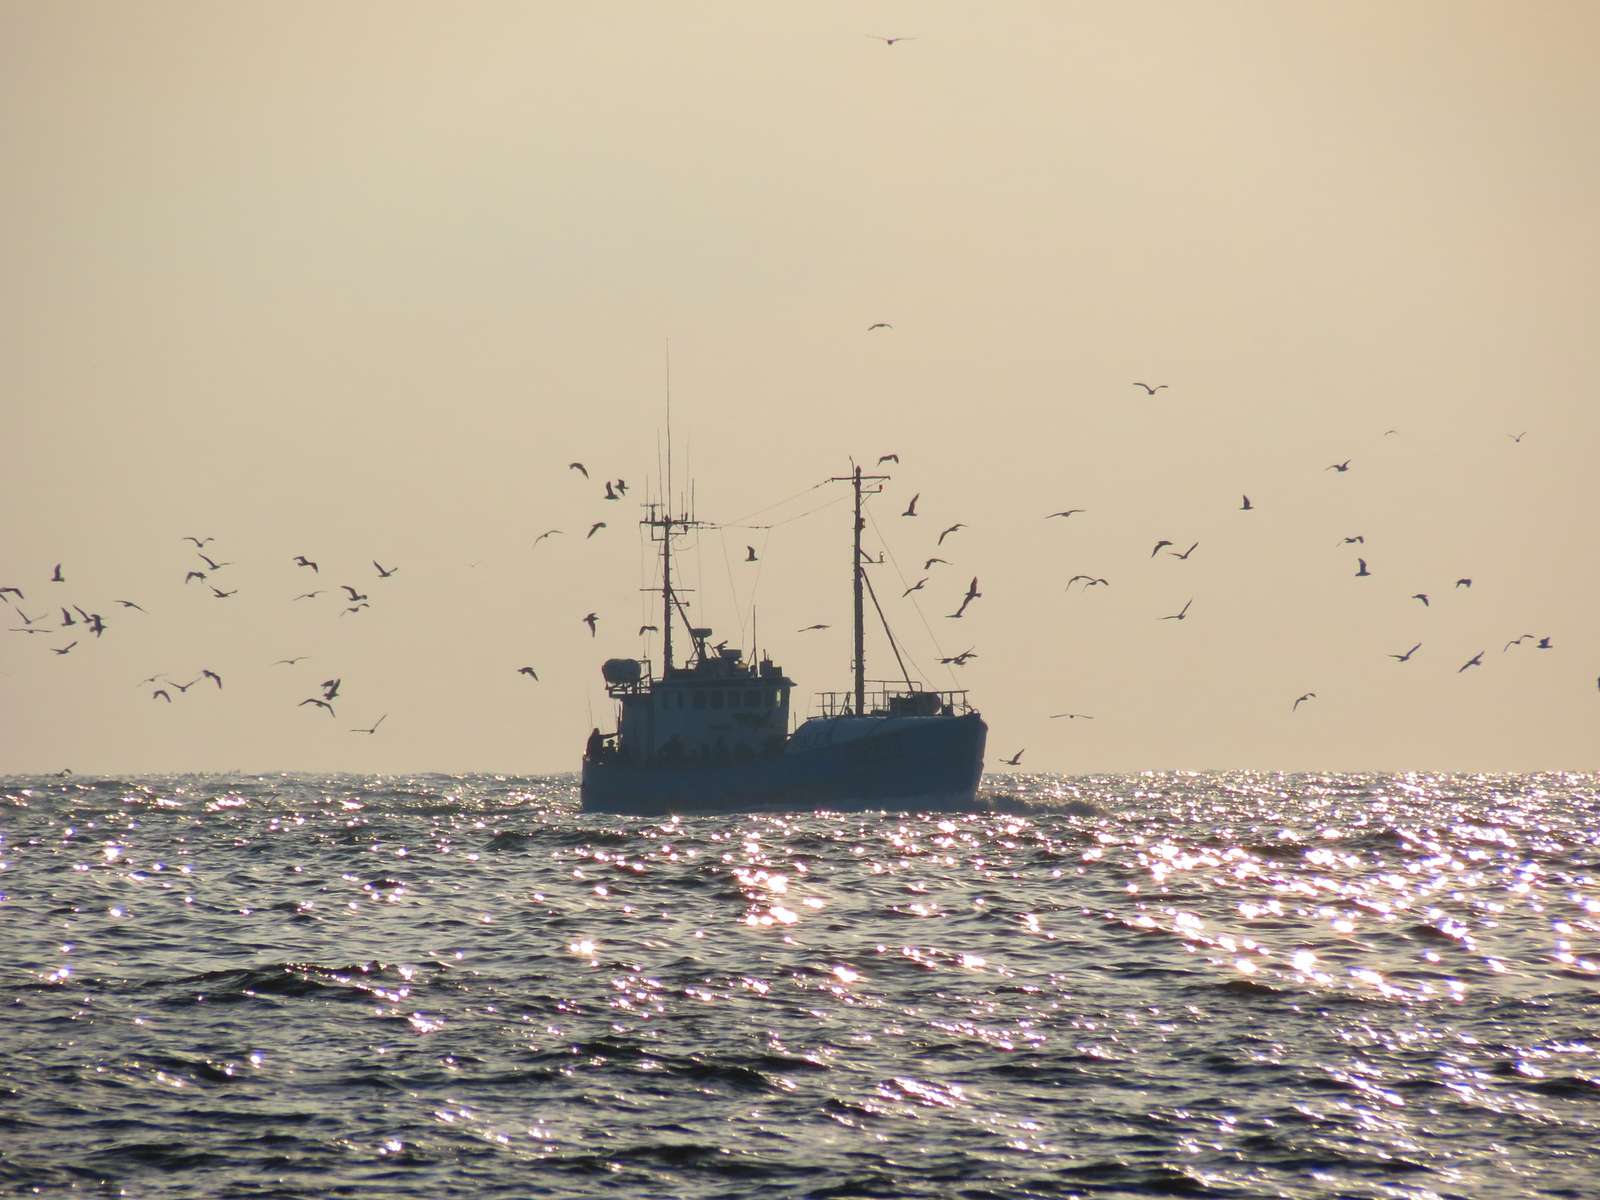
(886, 698)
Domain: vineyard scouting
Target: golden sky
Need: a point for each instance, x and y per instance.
(358, 281)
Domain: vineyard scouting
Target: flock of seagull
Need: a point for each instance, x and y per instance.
(163, 684)
(1540, 642)
(208, 569)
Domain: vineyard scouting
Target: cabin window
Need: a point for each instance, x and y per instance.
(716, 699)
(699, 699)
(777, 697)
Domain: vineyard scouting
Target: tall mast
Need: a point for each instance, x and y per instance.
(855, 588)
(666, 537)
(856, 478)
(666, 596)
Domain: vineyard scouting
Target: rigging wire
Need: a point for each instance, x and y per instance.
(733, 588)
(787, 520)
(755, 588)
(777, 504)
(921, 616)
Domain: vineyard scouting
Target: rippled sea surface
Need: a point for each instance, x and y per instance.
(1232, 985)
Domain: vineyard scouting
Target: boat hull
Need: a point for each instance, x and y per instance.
(905, 763)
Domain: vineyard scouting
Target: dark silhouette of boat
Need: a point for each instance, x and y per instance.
(711, 735)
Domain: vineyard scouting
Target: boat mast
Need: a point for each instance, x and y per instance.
(666, 535)
(855, 587)
(856, 478)
(666, 594)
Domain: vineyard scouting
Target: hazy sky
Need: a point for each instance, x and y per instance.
(358, 281)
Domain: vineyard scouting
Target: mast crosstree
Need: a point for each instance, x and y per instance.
(660, 517)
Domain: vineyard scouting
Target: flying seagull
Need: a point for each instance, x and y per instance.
(1072, 716)
(215, 566)
(373, 728)
(1064, 513)
(56, 575)
(161, 694)
(384, 573)
(1475, 661)
(948, 532)
(591, 621)
(199, 543)
(1406, 657)
(1517, 641)
(577, 466)
(611, 492)
(1423, 596)
(1517, 437)
(888, 41)
(544, 535)
(309, 595)
(300, 560)
(319, 704)
(1015, 759)
(330, 687)
(354, 595)
(750, 554)
(206, 673)
(1149, 391)
(289, 662)
(598, 525)
(1302, 699)
(1466, 583)
(915, 587)
(1246, 506)
(1361, 568)
(1181, 613)
(1185, 554)
(911, 509)
(1157, 550)
(809, 628)
(883, 458)
(1341, 467)
(530, 672)
(972, 594)
(927, 566)
(1358, 540)
(222, 595)
(644, 629)
(64, 649)
(131, 604)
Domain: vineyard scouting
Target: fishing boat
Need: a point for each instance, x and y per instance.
(711, 734)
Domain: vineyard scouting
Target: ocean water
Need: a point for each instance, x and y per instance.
(437, 986)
